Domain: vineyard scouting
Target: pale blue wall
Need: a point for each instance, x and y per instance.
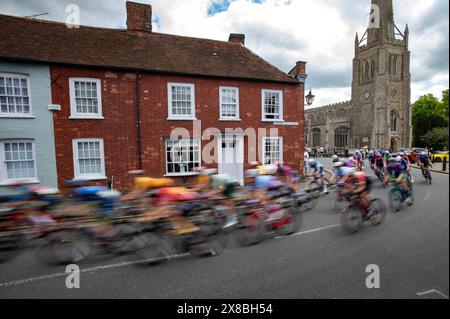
(39, 128)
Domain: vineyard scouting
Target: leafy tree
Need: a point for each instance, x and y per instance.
(436, 138)
(445, 103)
(428, 113)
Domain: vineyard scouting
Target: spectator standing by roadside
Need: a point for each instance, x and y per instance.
(306, 161)
(321, 151)
(346, 151)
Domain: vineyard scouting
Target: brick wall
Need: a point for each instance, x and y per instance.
(119, 129)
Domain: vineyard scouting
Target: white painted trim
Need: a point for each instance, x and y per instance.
(73, 106)
(167, 159)
(240, 149)
(76, 168)
(227, 118)
(263, 115)
(30, 103)
(3, 176)
(172, 117)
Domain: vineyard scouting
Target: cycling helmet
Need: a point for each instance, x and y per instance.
(391, 159)
(423, 153)
(312, 163)
(338, 164)
(398, 159)
(335, 158)
(251, 173)
(402, 154)
(285, 171)
(351, 158)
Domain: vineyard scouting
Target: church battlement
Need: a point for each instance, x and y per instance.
(329, 106)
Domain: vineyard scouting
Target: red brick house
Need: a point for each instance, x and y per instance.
(123, 92)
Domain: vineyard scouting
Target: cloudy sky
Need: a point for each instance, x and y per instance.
(320, 32)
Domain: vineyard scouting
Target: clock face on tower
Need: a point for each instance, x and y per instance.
(366, 95)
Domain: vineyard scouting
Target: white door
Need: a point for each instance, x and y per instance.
(231, 156)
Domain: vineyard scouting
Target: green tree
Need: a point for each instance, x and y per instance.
(437, 138)
(428, 113)
(445, 103)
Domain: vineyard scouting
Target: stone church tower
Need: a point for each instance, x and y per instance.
(381, 88)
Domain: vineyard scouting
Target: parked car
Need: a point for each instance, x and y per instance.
(414, 154)
(438, 157)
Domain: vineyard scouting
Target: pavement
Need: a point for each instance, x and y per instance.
(410, 249)
(437, 168)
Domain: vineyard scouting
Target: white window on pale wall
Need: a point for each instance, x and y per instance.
(272, 105)
(85, 98)
(182, 156)
(181, 99)
(18, 161)
(229, 103)
(14, 95)
(89, 159)
(272, 150)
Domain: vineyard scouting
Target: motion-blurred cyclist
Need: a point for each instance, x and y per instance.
(318, 172)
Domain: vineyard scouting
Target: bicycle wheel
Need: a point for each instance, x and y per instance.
(251, 230)
(351, 220)
(395, 200)
(378, 211)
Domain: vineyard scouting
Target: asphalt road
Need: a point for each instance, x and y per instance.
(411, 249)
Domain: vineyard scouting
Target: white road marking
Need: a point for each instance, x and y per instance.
(87, 270)
(309, 231)
(432, 291)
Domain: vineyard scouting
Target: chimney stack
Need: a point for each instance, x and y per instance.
(139, 17)
(299, 71)
(237, 38)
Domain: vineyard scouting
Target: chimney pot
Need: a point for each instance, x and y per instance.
(139, 17)
(237, 38)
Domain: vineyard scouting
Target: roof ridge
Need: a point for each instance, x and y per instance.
(119, 30)
(252, 52)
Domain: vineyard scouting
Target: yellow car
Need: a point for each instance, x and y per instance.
(438, 157)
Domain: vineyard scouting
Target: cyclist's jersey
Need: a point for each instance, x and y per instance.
(405, 163)
(372, 159)
(318, 167)
(343, 171)
(394, 170)
(425, 160)
(379, 162)
(263, 182)
(227, 184)
(361, 178)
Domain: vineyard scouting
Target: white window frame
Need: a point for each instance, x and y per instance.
(19, 115)
(229, 118)
(281, 150)
(167, 159)
(4, 180)
(280, 92)
(173, 117)
(76, 167)
(73, 105)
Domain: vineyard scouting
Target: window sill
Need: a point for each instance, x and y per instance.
(86, 118)
(181, 119)
(181, 174)
(272, 121)
(13, 182)
(230, 120)
(91, 178)
(17, 116)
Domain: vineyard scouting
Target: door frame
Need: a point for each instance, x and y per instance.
(239, 153)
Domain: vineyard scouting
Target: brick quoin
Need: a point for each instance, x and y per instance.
(119, 127)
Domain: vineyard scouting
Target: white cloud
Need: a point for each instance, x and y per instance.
(320, 32)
